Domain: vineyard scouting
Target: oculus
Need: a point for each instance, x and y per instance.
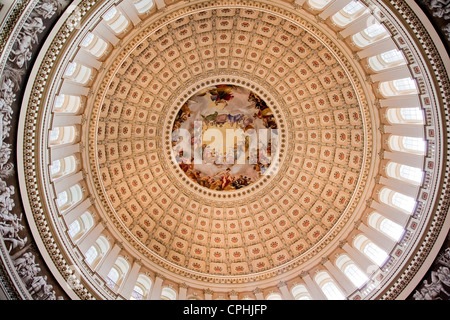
(225, 137)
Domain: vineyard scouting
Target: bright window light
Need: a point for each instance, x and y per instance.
(411, 173)
(414, 114)
(74, 228)
(353, 7)
(91, 254)
(414, 144)
(332, 292)
(392, 56)
(375, 253)
(392, 229)
(355, 275)
(404, 202)
(375, 30)
(404, 84)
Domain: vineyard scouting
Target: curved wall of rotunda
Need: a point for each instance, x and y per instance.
(216, 150)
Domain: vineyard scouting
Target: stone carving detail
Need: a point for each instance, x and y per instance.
(439, 287)
(12, 224)
(38, 280)
(440, 9)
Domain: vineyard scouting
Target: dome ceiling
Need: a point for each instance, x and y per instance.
(286, 216)
(348, 176)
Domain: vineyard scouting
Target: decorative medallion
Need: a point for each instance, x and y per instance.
(224, 137)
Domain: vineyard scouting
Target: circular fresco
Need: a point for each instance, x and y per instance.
(224, 137)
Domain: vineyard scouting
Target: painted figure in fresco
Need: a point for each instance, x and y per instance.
(222, 94)
(224, 107)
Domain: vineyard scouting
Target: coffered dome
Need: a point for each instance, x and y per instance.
(223, 231)
(131, 183)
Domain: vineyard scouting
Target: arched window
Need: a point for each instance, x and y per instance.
(318, 4)
(392, 56)
(369, 35)
(405, 116)
(78, 73)
(97, 251)
(398, 200)
(116, 20)
(274, 296)
(62, 135)
(388, 59)
(143, 6)
(91, 255)
(141, 288)
(63, 167)
(68, 103)
(414, 144)
(74, 228)
(386, 226)
(374, 30)
(113, 277)
(69, 197)
(168, 294)
(328, 287)
(398, 87)
(353, 7)
(349, 13)
(405, 173)
(353, 273)
(407, 144)
(137, 294)
(300, 292)
(117, 273)
(80, 226)
(370, 249)
(94, 45)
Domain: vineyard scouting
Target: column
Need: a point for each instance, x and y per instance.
(208, 294)
(359, 24)
(391, 213)
(72, 88)
(67, 182)
(233, 295)
(157, 287)
(403, 187)
(333, 8)
(404, 101)
(90, 237)
(377, 47)
(108, 261)
(286, 294)
(63, 120)
(409, 159)
(57, 153)
(77, 211)
(87, 59)
(182, 291)
(103, 31)
(312, 287)
(407, 130)
(130, 281)
(129, 10)
(392, 74)
(378, 238)
(258, 294)
(160, 4)
(364, 263)
(345, 284)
